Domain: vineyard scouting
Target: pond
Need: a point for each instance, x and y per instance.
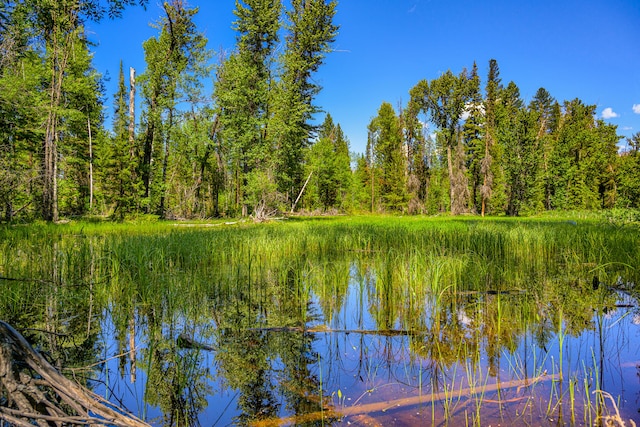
(354, 321)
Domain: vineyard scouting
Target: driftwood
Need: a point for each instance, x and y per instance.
(37, 394)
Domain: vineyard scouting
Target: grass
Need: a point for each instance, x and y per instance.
(507, 278)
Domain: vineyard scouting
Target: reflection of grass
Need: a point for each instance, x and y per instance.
(461, 288)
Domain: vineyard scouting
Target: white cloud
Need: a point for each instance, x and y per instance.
(636, 108)
(468, 109)
(608, 113)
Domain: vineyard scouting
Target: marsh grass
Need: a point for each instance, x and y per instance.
(460, 290)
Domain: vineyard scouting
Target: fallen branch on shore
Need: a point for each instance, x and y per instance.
(37, 393)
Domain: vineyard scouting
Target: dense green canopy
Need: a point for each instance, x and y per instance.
(253, 147)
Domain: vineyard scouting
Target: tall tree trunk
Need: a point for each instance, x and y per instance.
(132, 113)
(451, 180)
(458, 185)
(146, 156)
(165, 164)
(58, 66)
(90, 166)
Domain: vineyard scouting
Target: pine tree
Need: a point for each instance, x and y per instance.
(310, 31)
(490, 159)
(475, 143)
(174, 65)
(543, 106)
(329, 166)
(59, 24)
(119, 182)
(243, 97)
(389, 157)
(516, 130)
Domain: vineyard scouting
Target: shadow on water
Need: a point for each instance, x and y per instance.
(360, 322)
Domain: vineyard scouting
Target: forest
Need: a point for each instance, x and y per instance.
(257, 144)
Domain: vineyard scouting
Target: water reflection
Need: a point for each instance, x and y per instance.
(312, 353)
(373, 338)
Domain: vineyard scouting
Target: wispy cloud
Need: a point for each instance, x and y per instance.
(636, 108)
(608, 113)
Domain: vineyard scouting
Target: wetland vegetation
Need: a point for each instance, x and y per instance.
(361, 320)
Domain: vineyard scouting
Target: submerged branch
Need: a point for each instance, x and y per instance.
(323, 329)
(19, 279)
(386, 405)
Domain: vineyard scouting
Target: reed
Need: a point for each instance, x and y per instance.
(456, 291)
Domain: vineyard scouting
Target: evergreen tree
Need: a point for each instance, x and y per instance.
(310, 31)
(119, 177)
(242, 94)
(80, 120)
(491, 190)
(583, 160)
(21, 103)
(174, 66)
(389, 157)
(59, 25)
(546, 111)
(475, 143)
(329, 165)
(516, 132)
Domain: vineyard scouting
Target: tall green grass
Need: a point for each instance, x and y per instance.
(419, 275)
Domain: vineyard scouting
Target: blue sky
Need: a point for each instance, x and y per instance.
(587, 49)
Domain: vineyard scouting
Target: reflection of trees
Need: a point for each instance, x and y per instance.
(177, 379)
(449, 304)
(257, 356)
(245, 366)
(52, 300)
(448, 325)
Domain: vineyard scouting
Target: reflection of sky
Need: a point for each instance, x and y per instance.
(363, 368)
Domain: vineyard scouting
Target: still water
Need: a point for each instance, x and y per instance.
(469, 325)
(464, 360)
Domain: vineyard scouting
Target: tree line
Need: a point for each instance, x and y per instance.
(250, 147)
(455, 147)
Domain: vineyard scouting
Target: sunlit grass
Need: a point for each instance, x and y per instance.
(459, 289)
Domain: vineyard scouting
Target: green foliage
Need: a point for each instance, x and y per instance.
(328, 166)
(582, 160)
(449, 293)
(389, 159)
(310, 31)
(176, 64)
(628, 179)
(451, 148)
(446, 99)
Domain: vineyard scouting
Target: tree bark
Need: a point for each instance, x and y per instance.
(90, 166)
(451, 180)
(132, 113)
